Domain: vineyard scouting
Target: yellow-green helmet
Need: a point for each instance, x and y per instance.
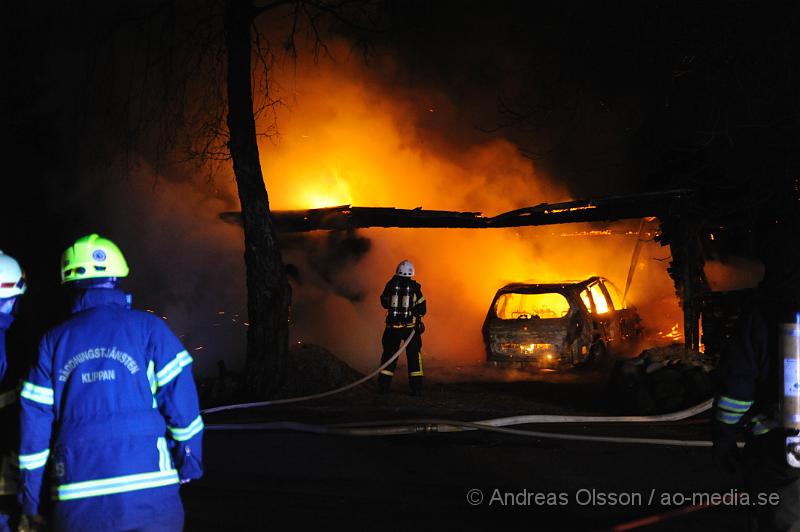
(92, 257)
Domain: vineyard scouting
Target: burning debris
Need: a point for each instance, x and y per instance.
(661, 379)
(673, 334)
(350, 217)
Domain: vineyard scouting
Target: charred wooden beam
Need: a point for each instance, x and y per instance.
(657, 204)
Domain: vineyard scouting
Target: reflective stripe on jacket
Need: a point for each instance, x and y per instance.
(113, 391)
(748, 378)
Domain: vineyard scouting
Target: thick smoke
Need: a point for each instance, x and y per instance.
(733, 273)
(186, 264)
(348, 137)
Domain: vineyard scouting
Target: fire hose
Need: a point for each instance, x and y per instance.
(386, 428)
(416, 426)
(316, 395)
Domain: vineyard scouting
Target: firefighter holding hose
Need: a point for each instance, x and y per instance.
(109, 408)
(12, 286)
(405, 305)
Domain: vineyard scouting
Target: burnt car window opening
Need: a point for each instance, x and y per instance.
(613, 294)
(515, 306)
(600, 301)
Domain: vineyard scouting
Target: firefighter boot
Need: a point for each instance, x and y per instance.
(384, 381)
(415, 383)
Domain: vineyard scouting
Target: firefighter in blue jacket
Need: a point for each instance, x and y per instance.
(750, 385)
(405, 305)
(12, 285)
(110, 408)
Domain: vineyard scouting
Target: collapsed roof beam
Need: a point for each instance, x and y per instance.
(612, 208)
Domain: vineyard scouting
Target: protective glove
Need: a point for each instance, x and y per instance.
(725, 451)
(188, 462)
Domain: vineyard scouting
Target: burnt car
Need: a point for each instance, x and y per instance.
(555, 324)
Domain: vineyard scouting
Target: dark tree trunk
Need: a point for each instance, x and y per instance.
(267, 287)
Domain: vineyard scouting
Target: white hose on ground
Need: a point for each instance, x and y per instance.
(316, 395)
(447, 426)
(556, 418)
(431, 426)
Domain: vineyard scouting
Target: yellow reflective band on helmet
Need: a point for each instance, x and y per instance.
(173, 368)
(33, 461)
(92, 257)
(37, 394)
(110, 486)
(187, 433)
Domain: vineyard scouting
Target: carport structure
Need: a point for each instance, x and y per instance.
(675, 210)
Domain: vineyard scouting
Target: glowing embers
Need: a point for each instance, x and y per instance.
(515, 306)
(673, 334)
(544, 350)
(571, 209)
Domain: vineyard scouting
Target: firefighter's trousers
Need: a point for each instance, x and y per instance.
(392, 338)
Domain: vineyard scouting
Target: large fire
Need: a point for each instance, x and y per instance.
(327, 190)
(346, 138)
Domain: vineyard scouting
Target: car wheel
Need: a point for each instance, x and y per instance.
(596, 353)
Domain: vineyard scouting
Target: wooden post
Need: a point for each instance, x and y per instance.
(691, 328)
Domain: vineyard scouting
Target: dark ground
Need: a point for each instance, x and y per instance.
(256, 479)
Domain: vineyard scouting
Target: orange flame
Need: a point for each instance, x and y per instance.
(348, 139)
(673, 334)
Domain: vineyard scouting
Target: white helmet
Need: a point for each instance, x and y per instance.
(12, 278)
(405, 269)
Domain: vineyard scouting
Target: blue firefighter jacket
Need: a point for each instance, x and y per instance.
(111, 406)
(748, 372)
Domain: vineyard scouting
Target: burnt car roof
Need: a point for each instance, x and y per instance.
(547, 287)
